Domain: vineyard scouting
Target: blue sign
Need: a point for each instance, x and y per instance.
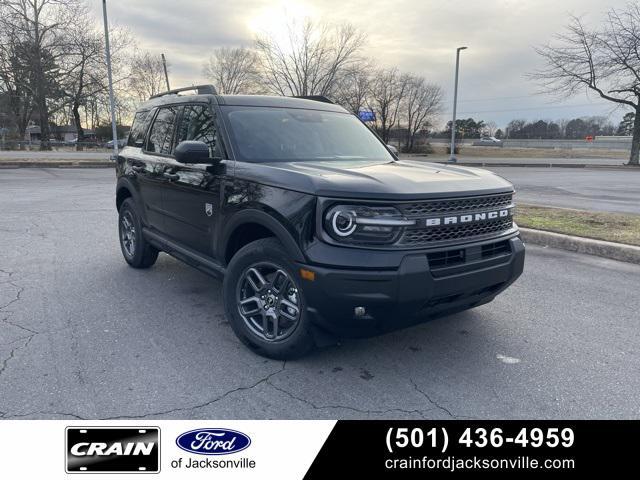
(367, 115)
(213, 441)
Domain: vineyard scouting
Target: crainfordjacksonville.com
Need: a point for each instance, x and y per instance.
(452, 463)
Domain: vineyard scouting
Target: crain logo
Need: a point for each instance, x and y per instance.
(213, 441)
(116, 450)
(468, 218)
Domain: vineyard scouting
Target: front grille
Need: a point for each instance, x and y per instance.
(448, 258)
(417, 237)
(456, 205)
(451, 258)
(424, 236)
(496, 249)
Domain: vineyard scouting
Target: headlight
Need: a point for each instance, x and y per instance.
(343, 222)
(363, 224)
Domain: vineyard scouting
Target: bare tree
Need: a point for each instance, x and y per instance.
(310, 60)
(85, 73)
(490, 128)
(233, 70)
(605, 61)
(84, 80)
(14, 78)
(353, 87)
(39, 25)
(420, 103)
(387, 91)
(147, 75)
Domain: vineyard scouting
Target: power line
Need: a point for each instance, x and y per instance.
(488, 99)
(531, 108)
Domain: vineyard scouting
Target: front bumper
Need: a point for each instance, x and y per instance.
(424, 285)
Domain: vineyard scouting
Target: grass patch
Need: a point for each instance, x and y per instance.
(612, 227)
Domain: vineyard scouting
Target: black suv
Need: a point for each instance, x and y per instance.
(318, 230)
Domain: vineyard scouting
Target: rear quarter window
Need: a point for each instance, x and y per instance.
(139, 128)
(160, 138)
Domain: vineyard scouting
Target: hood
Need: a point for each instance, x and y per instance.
(381, 180)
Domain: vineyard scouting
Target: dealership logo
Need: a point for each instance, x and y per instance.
(113, 450)
(213, 441)
(468, 218)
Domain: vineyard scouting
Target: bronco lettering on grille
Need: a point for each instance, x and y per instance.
(469, 218)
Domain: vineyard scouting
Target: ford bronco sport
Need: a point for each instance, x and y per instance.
(316, 228)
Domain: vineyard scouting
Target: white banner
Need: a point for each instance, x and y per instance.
(244, 449)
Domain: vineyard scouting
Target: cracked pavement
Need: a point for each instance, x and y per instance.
(83, 336)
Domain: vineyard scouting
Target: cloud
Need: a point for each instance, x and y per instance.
(419, 36)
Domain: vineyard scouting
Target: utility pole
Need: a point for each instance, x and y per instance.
(112, 100)
(166, 75)
(453, 158)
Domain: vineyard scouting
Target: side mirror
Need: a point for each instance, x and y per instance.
(191, 151)
(393, 150)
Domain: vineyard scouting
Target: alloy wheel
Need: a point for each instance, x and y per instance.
(128, 233)
(268, 301)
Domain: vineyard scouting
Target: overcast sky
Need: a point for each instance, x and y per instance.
(418, 36)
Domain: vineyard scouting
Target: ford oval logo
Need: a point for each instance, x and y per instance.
(213, 441)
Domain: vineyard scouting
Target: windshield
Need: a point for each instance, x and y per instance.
(267, 134)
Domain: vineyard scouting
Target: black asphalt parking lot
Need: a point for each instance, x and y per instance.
(82, 335)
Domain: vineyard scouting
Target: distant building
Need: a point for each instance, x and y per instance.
(64, 133)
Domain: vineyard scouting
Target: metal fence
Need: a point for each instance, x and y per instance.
(597, 144)
(55, 145)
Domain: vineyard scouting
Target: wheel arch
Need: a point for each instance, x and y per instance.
(126, 189)
(250, 225)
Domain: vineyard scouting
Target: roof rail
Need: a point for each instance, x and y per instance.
(317, 98)
(201, 89)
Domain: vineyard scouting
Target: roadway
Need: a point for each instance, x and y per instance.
(82, 335)
(606, 190)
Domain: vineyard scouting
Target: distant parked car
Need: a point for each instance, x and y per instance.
(393, 150)
(121, 143)
(488, 142)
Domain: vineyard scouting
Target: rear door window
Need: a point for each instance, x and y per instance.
(160, 138)
(198, 124)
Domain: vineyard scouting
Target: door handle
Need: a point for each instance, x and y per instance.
(171, 176)
(137, 168)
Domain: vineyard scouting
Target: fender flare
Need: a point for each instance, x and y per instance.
(264, 219)
(125, 183)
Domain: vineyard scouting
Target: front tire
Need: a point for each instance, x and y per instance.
(135, 249)
(264, 301)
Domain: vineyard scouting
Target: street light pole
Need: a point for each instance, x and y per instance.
(453, 158)
(166, 75)
(112, 100)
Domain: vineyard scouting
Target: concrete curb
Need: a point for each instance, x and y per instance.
(61, 164)
(542, 165)
(589, 246)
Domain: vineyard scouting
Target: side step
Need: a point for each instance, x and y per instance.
(195, 259)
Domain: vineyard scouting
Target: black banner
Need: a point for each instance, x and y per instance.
(416, 449)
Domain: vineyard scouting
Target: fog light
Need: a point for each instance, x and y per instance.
(359, 311)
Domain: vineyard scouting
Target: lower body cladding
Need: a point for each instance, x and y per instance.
(425, 285)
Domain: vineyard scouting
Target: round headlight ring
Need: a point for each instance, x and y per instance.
(341, 216)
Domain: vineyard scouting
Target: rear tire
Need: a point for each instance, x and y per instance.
(135, 249)
(264, 301)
